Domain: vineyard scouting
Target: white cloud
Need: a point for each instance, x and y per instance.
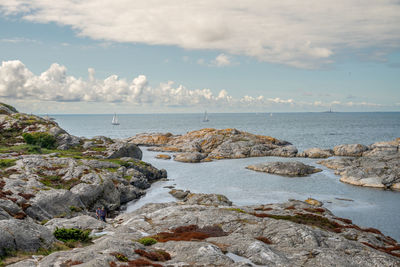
(18, 83)
(222, 60)
(303, 34)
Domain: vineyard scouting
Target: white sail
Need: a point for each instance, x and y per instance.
(205, 119)
(115, 120)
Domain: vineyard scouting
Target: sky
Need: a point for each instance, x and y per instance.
(156, 56)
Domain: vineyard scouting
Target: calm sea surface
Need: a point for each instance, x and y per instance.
(369, 208)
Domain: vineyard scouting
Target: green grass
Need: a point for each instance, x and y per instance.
(5, 163)
(147, 241)
(71, 235)
(41, 139)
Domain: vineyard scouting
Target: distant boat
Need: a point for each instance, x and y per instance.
(205, 119)
(115, 120)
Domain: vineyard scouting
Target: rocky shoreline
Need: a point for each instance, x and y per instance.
(51, 180)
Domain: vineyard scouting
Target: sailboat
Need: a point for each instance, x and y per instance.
(115, 120)
(205, 119)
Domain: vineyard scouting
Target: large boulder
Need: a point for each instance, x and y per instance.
(7, 109)
(53, 202)
(350, 150)
(290, 168)
(381, 149)
(83, 222)
(120, 149)
(23, 235)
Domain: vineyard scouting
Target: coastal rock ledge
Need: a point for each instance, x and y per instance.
(291, 168)
(210, 144)
(187, 234)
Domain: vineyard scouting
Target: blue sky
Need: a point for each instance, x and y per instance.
(220, 57)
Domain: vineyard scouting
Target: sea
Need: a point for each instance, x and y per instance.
(367, 207)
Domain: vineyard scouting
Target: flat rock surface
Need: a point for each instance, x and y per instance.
(291, 168)
(370, 171)
(209, 144)
(288, 234)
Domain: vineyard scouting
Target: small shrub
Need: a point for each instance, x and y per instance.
(41, 139)
(34, 149)
(147, 241)
(75, 209)
(72, 234)
(120, 256)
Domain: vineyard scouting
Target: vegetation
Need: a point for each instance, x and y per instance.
(72, 235)
(5, 163)
(157, 255)
(9, 107)
(189, 233)
(40, 139)
(147, 241)
(120, 256)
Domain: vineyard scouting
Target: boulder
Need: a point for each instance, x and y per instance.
(179, 193)
(290, 168)
(350, 150)
(190, 157)
(316, 153)
(284, 151)
(83, 222)
(66, 141)
(381, 149)
(120, 149)
(23, 235)
(207, 199)
(369, 171)
(54, 202)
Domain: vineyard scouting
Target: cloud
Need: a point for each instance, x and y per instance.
(222, 60)
(285, 32)
(18, 83)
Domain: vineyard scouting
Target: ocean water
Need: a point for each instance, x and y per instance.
(368, 208)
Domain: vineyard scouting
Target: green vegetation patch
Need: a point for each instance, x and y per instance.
(147, 241)
(55, 181)
(41, 139)
(72, 235)
(5, 163)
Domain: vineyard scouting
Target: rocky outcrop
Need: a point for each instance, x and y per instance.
(82, 222)
(7, 109)
(23, 235)
(67, 178)
(350, 150)
(290, 168)
(378, 172)
(163, 156)
(381, 149)
(210, 144)
(288, 234)
(316, 153)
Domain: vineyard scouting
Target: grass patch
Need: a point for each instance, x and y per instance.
(237, 210)
(5, 163)
(119, 256)
(147, 241)
(41, 139)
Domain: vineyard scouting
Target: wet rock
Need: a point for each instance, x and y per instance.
(378, 172)
(179, 193)
(350, 150)
(207, 199)
(291, 168)
(191, 157)
(140, 182)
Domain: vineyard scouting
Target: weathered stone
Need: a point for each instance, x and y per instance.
(23, 235)
(192, 157)
(179, 194)
(350, 150)
(120, 149)
(82, 222)
(316, 153)
(207, 199)
(290, 168)
(378, 172)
